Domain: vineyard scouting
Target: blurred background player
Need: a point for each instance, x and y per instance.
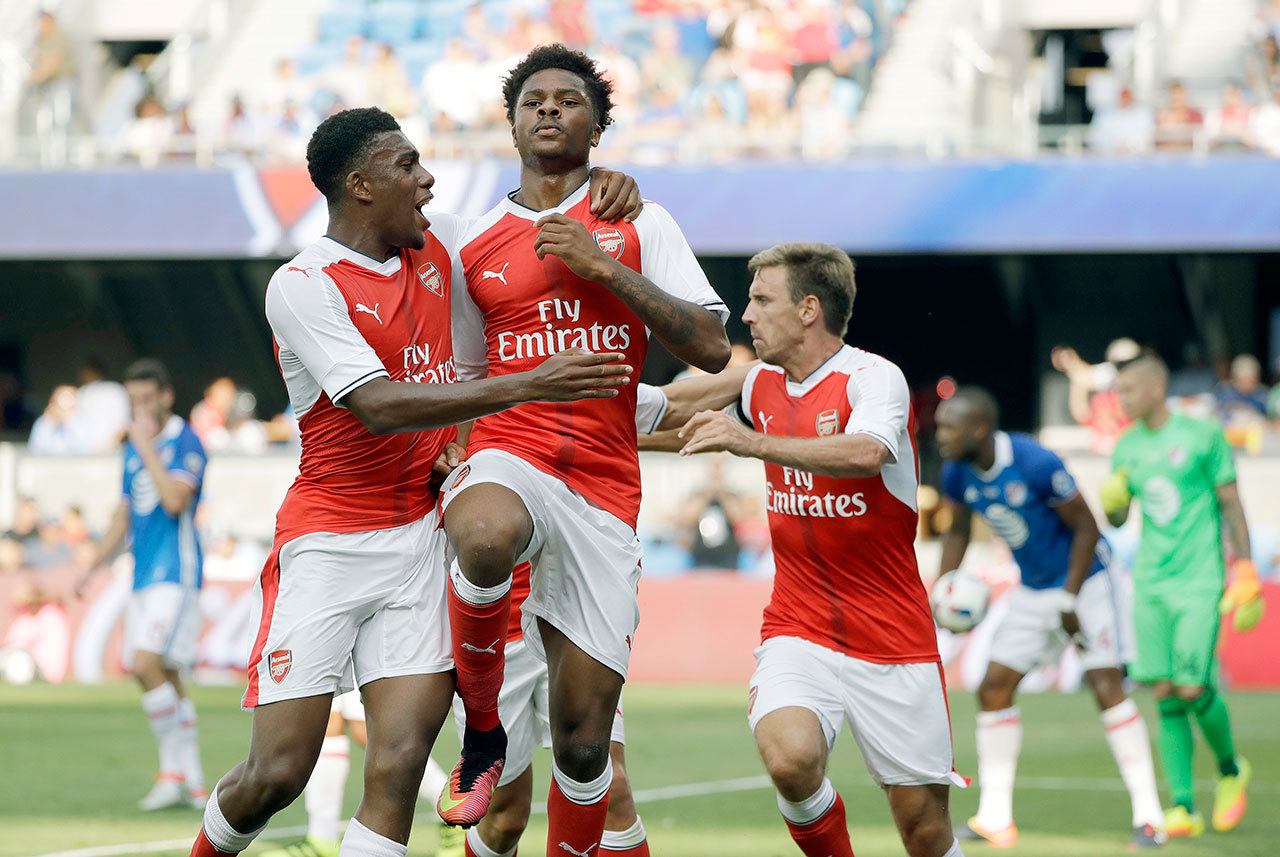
(1066, 593)
(561, 482)
(328, 785)
(848, 635)
(1181, 470)
(354, 314)
(163, 473)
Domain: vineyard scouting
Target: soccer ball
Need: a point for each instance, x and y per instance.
(959, 600)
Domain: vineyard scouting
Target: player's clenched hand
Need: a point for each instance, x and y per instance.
(1243, 596)
(143, 430)
(577, 374)
(569, 240)
(1115, 494)
(614, 195)
(450, 457)
(716, 431)
(1071, 624)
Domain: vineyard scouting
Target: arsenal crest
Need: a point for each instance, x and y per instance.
(429, 276)
(610, 240)
(279, 662)
(828, 422)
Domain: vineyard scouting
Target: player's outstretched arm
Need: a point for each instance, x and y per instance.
(702, 393)
(845, 455)
(386, 407)
(689, 331)
(955, 544)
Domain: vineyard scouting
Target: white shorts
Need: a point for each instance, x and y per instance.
(586, 562)
(163, 618)
(339, 610)
(896, 712)
(524, 710)
(349, 705)
(1031, 635)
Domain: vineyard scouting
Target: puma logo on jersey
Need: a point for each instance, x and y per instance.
(567, 847)
(491, 649)
(764, 421)
(373, 312)
(497, 275)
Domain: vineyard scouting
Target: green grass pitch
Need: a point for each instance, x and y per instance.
(76, 759)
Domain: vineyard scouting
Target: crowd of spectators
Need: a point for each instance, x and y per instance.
(706, 79)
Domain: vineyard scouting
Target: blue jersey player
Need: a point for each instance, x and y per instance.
(1027, 496)
(163, 471)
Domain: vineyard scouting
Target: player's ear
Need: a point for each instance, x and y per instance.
(810, 310)
(595, 136)
(358, 186)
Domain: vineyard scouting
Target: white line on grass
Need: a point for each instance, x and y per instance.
(714, 787)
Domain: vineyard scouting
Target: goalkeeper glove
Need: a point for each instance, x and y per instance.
(1243, 597)
(1115, 493)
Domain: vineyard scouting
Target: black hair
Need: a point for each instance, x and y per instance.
(599, 89)
(981, 402)
(339, 142)
(149, 369)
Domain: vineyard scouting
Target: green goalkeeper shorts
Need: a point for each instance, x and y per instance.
(1177, 637)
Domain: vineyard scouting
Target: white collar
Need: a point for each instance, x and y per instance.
(172, 427)
(340, 251)
(509, 206)
(1004, 457)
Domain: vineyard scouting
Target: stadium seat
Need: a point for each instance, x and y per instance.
(395, 22)
(316, 57)
(342, 21)
(416, 56)
(443, 20)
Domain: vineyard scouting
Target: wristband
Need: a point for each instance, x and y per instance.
(1066, 601)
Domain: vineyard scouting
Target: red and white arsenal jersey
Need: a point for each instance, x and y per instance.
(846, 576)
(340, 319)
(517, 310)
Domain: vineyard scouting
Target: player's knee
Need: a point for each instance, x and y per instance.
(1188, 693)
(581, 758)
(395, 767)
(276, 782)
(488, 547)
(927, 835)
(796, 772)
(995, 695)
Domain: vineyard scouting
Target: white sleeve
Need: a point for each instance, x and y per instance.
(881, 402)
(470, 351)
(310, 319)
(668, 262)
(651, 407)
(449, 229)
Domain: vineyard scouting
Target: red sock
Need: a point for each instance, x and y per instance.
(479, 634)
(576, 829)
(204, 848)
(641, 850)
(825, 836)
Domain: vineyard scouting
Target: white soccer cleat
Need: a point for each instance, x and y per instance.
(167, 792)
(197, 798)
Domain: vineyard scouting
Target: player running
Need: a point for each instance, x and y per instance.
(328, 784)
(559, 485)
(353, 592)
(1181, 470)
(163, 473)
(1066, 593)
(848, 636)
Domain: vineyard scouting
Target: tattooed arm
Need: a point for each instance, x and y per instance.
(1234, 521)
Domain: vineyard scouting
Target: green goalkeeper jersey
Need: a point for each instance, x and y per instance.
(1174, 472)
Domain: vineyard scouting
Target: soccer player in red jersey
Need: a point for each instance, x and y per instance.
(353, 592)
(559, 485)
(848, 635)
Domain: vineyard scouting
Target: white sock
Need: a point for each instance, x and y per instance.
(477, 846)
(219, 831)
(584, 794)
(360, 841)
(472, 594)
(1130, 744)
(161, 705)
(434, 779)
(324, 792)
(189, 744)
(810, 809)
(999, 742)
(621, 840)
(955, 850)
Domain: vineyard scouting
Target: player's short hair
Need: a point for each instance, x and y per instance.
(599, 89)
(821, 270)
(980, 401)
(340, 141)
(1148, 359)
(149, 369)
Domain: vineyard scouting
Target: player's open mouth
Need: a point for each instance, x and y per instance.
(422, 215)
